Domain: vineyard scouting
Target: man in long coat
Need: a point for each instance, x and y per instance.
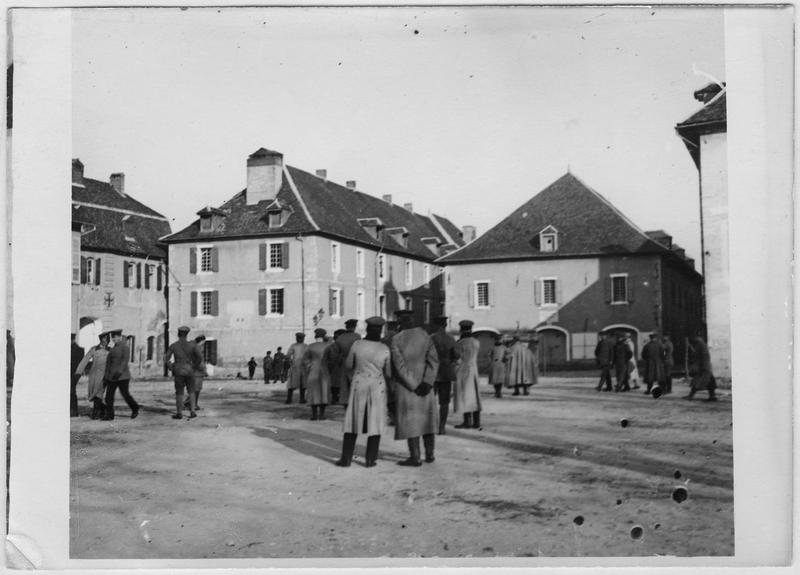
(445, 346)
(653, 356)
(318, 378)
(297, 376)
(343, 344)
(415, 366)
(703, 378)
(188, 360)
(497, 370)
(604, 355)
(669, 362)
(118, 376)
(622, 358)
(391, 403)
(523, 371)
(466, 399)
(76, 355)
(279, 366)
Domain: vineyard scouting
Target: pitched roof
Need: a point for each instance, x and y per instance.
(325, 207)
(714, 113)
(116, 223)
(587, 224)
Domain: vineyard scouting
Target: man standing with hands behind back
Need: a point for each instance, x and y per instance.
(118, 375)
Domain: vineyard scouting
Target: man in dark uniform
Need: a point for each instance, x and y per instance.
(76, 355)
(446, 351)
(669, 362)
(391, 404)
(604, 354)
(118, 376)
(622, 355)
(653, 356)
(344, 342)
(415, 367)
(279, 366)
(188, 361)
(266, 366)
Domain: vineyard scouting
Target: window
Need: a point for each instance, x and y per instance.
(335, 304)
(276, 256)
(131, 341)
(549, 291)
(209, 348)
(151, 344)
(360, 307)
(273, 256)
(76, 258)
(619, 288)
(409, 272)
(130, 274)
(271, 301)
(205, 259)
(382, 305)
(381, 266)
(336, 264)
(426, 273)
(90, 271)
(275, 219)
(360, 263)
(205, 223)
(409, 304)
(548, 239)
(205, 303)
(149, 270)
(481, 294)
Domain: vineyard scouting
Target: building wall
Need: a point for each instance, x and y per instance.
(682, 307)
(242, 332)
(138, 311)
(714, 190)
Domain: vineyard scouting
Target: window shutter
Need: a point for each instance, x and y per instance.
(138, 275)
(559, 296)
(211, 351)
(341, 301)
(490, 290)
(471, 294)
(262, 302)
(330, 301)
(148, 270)
(214, 259)
(537, 289)
(97, 272)
(629, 286)
(215, 303)
(158, 279)
(83, 270)
(125, 279)
(192, 260)
(262, 256)
(608, 287)
(285, 255)
(193, 304)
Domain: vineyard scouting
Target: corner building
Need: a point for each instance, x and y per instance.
(295, 251)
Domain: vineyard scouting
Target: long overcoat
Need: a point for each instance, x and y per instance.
(522, 366)
(318, 378)
(653, 356)
(297, 376)
(97, 355)
(669, 357)
(369, 365)
(497, 372)
(117, 362)
(703, 377)
(445, 345)
(465, 390)
(415, 361)
(343, 344)
(622, 358)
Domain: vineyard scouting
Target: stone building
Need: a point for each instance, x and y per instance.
(705, 136)
(118, 268)
(567, 264)
(295, 251)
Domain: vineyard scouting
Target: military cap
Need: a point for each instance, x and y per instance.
(440, 320)
(466, 324)
(339, 332)
(351, 322)
(104, 334)
(183, 330)
(299, 334)
(319, 332)
(404, 313)
(114, 332)
(375, 321)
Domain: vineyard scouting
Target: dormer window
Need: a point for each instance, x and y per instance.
(210, 219)
(432, 243)
(205, 223)
(275, 219)
(372, 226)
(548, 239)
(399, 234)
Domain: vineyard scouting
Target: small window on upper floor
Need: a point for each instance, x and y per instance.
(205, 223)
(548, 239)
(275, 219)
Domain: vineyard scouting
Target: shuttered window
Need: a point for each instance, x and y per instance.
(549, 291)
(481, 295)
(271, 301)
(205, 303)
(619, 288)
(335, 303)
(76, 258)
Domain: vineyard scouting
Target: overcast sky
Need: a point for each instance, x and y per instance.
(467, 112)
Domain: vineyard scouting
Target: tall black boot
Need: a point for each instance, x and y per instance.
(498, 390)
(314, 415)
(429, 440)
(467, 421)
(516, 390)
(476, 419)
(302, 395)
(443, 411)
(322, 412)
(373, 442)
(289, 395)
(413, 449)
(348, 447)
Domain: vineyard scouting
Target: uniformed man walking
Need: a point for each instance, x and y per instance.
(446, 352)
(118, 376)
(187, 362)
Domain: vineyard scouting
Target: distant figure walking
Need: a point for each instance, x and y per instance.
(369, 363)
(187, 362)
(96, 358)
(703, 378)
(445, 346)
(251, 367)
(118, 376)
(653, 356)
(604, 355)
(669, 362)
(279, 366)
(266, 367)
(622, 359)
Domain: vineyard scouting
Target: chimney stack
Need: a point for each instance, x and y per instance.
(468, 233)
(77, 171)
(351, 184)
(322, 174)
(387, 198)
(409, 207)
(264, 175)
(118, 182)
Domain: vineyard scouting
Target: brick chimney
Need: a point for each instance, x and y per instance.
(118, 182)
(387, 198)
(322, 174)
(351, 184)
(409, 207)
(264, 175)
(77, 171)
(468, 233)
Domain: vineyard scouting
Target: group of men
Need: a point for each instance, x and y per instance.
(275, 367)
(106, 364)
(185, 359)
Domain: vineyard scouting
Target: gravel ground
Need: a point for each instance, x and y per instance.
(552, 474)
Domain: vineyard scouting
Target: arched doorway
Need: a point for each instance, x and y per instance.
(629, 330)
(90, 329)
(553, 346)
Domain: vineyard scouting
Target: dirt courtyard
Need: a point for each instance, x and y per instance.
(552, 474)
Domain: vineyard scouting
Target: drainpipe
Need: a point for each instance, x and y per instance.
(299, 238)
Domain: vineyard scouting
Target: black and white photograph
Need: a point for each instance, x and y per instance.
(414, 285)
